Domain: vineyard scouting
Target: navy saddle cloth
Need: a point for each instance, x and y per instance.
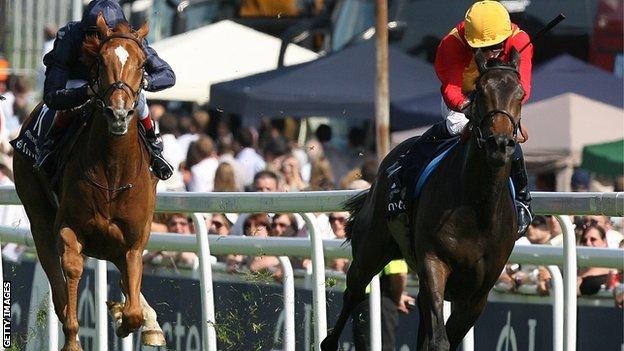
(421, 161)
(26, 141)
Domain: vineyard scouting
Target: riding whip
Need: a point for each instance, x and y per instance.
(546, 28)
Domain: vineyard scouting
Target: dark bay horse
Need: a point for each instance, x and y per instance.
(106, 191)
(462, 227)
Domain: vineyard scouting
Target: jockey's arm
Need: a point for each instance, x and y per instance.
(58, 63)
(526, 57)
(449, 66)
(159, 74)
(56, 96)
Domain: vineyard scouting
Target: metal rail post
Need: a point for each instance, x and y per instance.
(569, 280)
(318, 280)
(209, 335)
(289, 304)
(374, 316)
(101, 293)
(52, 323)
(557, 295)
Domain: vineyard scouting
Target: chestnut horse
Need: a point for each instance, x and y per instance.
(106, 191)
(462, 227)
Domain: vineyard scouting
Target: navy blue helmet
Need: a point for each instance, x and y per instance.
(110, 9)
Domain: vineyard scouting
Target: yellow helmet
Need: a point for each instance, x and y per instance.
(487, 23)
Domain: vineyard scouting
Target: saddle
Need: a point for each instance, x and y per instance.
(409, 174)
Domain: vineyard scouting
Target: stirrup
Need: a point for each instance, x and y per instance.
(524, 217)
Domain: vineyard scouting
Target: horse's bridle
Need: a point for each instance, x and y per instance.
(476, 126)
(120, 84)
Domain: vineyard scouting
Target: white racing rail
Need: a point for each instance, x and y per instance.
(306, 203)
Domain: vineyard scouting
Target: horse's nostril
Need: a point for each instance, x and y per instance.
(130, 112)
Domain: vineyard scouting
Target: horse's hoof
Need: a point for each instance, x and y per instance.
(115, 309)
(329, 345)
(153, 338)
(73, 347)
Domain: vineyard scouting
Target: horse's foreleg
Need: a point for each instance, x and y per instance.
(152, 334)
(433, 275)
(72, 262)
(131, 272)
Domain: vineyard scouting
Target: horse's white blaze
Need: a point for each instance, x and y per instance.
(122, 55)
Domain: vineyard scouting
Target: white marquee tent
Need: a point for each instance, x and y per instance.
(219, 52)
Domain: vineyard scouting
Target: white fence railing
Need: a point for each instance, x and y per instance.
(611, 204)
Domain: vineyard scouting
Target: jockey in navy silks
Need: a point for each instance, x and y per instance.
(66, 81)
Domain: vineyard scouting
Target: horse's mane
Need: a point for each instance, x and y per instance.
(91, 44)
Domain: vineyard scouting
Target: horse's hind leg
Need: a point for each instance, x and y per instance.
(151, 334)
(433, 275)
(42, 216)
(72, 262)
(463, 317)
(369, 259)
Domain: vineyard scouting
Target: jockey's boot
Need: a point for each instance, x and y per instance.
(523, 196)
(46, 144)
(160, 167)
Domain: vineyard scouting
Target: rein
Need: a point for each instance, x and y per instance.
(95, 81)
(490, 114)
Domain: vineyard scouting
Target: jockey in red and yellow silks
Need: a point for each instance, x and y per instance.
(458, 72)
(486, 27)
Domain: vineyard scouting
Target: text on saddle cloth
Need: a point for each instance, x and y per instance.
(26, 142)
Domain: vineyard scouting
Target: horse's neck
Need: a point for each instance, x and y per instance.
(484, 186)
(118, 158)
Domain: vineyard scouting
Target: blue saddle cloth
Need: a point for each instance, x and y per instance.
(440, 151)
(26, 141)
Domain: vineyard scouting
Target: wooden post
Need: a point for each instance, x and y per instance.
(382, 99)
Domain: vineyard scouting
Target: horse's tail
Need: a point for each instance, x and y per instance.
(354, 205)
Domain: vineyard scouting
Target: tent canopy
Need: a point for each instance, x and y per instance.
(567, 74)
(559, 127)
(218, 52)
(606, 159)
(339, 85)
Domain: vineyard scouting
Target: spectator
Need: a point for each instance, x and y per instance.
(580, 180)
(176, 223)
(292, 174)
(613, 236)
(284, 225)
(219, 224)
(275, 152)
(172, 151)
(369, 170)
(338, 222)
(264, 181)
(591, 280)
(618, 289)
(556, 234)
(157, 111)
(189, 131)
(203, 172)
(251, 163)
(528, 278)
(337, 158)
(225, 178)
(225, 152)
(321, 175)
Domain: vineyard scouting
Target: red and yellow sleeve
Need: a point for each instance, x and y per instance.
(519, 41)
(449, 66)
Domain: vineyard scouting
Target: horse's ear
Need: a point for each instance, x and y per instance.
(102, 27)
(480, 60)
(514, 57)
(141, 33)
